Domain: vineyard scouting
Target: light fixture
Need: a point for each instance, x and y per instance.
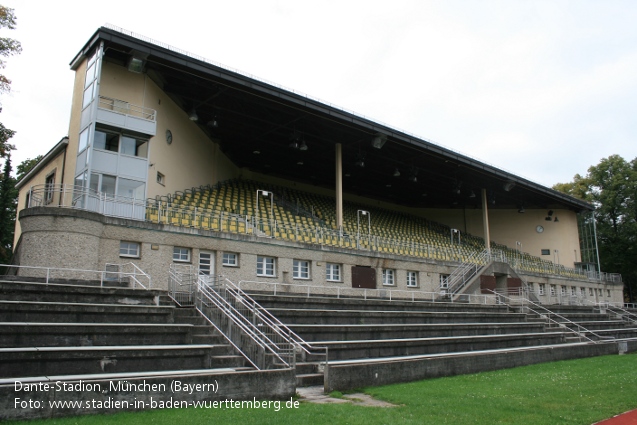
(135, 65)
(303, 146)
(413, 179)
(214, 122)
(192, 115)
(379, 140)
(299, 163)
(522, 210)
(396, 172)
(549, 217)
(508, 186)
(555, 220)
(360, 160)
(256, 152)
(472, 194)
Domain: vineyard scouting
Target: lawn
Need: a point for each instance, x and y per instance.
(569, 392)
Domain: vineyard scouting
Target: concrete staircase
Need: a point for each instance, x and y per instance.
(403, 340)
(70, 332)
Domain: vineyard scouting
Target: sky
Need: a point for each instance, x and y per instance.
(542, 89)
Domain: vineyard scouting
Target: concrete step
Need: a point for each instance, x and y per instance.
(347, 332)
(310, 379)
(362, 349)
(23, 334)
(81, 294)
(43, 361)
(300, 301)
(318, 316)
(56, 312)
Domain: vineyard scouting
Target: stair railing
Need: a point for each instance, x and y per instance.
(545, 313)
(464, 273)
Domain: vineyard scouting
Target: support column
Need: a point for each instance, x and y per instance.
(339, 188)
(485, 220)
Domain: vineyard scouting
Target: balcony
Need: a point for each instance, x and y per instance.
(125, 115)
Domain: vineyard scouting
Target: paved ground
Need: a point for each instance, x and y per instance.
(316, 395)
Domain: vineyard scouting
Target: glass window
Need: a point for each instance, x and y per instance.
(388, 277)
(412, 279)
(49, 188)
(590, 291)
(301, 269)
(181, 254)
(106, 141)
(108, 185)
(134, 147)
(129, 249)
(541, 288)
(230, 259)
(161, 179)
(83, 140)
(546, 252)
(88, 96)
(552, 290)
(265, 266)
(608, 293)
(582, 291)
(131, 188)
(333, 272)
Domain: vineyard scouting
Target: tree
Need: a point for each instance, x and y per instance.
(26, 166)
(611, 186)
(8, 203)
(8, 47)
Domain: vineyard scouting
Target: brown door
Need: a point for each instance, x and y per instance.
(363, 277)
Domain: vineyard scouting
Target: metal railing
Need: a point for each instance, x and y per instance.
(544, 313)
(464, 273)
(259, 336)
(386, 294)
(222, 221)
(124, 273)
(125, 108)
(77, 197)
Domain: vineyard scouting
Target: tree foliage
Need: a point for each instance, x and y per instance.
(25, 166)
(8, 47)
(8, 203)
(611, 186)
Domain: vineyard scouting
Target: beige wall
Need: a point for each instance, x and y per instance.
(192, 159)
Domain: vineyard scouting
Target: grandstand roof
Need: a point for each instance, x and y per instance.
(259, 123)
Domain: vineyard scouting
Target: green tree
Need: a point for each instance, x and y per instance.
(8, 203)
(25, 166)
(611, 186)
(8, 47)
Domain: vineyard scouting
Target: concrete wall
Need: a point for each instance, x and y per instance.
(85, 240)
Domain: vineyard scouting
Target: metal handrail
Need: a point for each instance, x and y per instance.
(125, 108)
(50, 273)
(581, 330)
(465, 272)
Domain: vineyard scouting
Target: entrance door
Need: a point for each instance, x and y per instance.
(207, 265)
(363, 277)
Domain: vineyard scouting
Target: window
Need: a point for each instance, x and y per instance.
(552, 290)
(133, 146)
(83, 140)
(333, 272)
(563, 290)
(443, 280)
(541, 288)
(265, 266)
(48, 188)
(388, 277)
(130, 188)
(301, 269)
(412, 279)
(608, 293)
(161, 179)
(181, 254)
(129, 249)
(573, 290)
(582, 291)
(590, 291)
(106, 141)
(230, 259)
(546, 252)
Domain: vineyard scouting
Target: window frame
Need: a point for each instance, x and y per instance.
(180, 250)
(386, 274)
(414, 274)
(130, 244)
(329, 272)
(262, 263)
(541, 288)
(297, 269)
(226, 255)
(49, 186)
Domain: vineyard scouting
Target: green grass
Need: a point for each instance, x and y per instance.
(570, 392)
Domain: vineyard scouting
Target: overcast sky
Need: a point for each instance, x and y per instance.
(543, 89)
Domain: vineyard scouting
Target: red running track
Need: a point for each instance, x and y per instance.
(628, 418)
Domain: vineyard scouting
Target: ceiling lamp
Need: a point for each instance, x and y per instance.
(192, 115)
(522, 210)
(360, 160)
(214, 122)
(396, 172)
(508, 186)
(135, 65)
(303, 146)
(379, 140)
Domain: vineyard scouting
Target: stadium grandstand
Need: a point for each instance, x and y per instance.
(231, 226)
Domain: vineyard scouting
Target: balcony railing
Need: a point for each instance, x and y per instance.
(125, 108)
